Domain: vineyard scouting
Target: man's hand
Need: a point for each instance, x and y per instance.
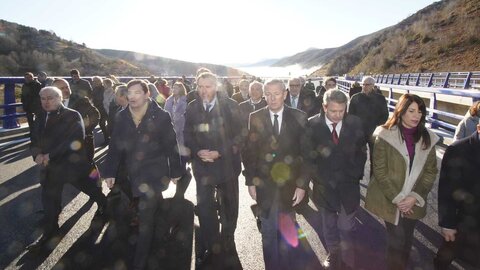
(298, 196)
(46, 159)
(39, 159)
(110, 182)
(175, 180)
(449, 234)
(253, 192)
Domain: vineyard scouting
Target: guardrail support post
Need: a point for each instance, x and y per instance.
(430, 81)
(466, 85)
(418, 79)
(433, 105)
(390, 97)
(9, 95)
(445, 83)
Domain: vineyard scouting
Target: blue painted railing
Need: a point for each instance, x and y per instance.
(433, 91)
(432, 84)
(10, 115)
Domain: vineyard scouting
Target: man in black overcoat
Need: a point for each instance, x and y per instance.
(212, 135)
(144, 141)
(58, 149)
(459, 203)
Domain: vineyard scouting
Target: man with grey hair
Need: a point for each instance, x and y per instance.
(339, 155)
(212, 135)
(58, 150)
(301, 99)
(370, 107)
(242, 95)
(276, 171)
(255, 102)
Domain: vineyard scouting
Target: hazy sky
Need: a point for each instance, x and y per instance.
(212, 31)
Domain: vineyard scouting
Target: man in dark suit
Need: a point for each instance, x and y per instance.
(256, 101)
(339, 159)
(57, 147)
(80, 87)
(304, 100)
(276, 169)
(212, 134)
(144, 139)
(372, 109)
(242, 95)
(89, 113)
(30, 98)
(459, 203)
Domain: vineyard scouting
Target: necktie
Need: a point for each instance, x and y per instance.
(276, 130)
(334, 134)
(294, 102)
(207, 107)
(46, 119)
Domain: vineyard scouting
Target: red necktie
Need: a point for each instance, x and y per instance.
(334, 134)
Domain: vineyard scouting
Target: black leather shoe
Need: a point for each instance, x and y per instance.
(203, 259)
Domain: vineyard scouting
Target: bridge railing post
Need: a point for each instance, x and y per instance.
(466, 84)
(433, 106)
(10, 120)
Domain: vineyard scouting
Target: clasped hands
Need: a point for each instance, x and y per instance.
(208, 156)
(111, 181)
(405, 206)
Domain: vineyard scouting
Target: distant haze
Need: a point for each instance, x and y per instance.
(288, 71)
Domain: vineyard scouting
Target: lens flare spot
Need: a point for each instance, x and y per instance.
(288, 229)
(280, 173)
(203, 128)
(94, 174)
(144, 188)
(75, 145)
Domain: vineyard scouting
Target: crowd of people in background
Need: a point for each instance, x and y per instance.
(290, 137)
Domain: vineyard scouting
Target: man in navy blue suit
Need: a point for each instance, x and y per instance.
(339, 156)
(275, 170)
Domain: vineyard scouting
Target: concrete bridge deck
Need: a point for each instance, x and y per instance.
(81, 247)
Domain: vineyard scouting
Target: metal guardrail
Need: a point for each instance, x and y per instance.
(10, 115)
(432, 84)
(432, 105)
(456, 80)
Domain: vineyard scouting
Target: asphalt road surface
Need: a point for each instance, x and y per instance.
(89, 243)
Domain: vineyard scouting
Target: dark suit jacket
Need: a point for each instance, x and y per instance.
(277, 166)
(337, 169)
(217, 130)
(62, 138)
(89, 113)
(459, 186)
(150, 150)
(247, 107)
(307, 102)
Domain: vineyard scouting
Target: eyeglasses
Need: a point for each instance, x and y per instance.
(366, 84)
(294, 85)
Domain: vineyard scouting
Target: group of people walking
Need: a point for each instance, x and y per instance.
(289, 140)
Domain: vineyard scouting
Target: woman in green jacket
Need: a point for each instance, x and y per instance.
(404, 170)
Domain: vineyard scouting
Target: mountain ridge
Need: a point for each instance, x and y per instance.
(26, 49)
